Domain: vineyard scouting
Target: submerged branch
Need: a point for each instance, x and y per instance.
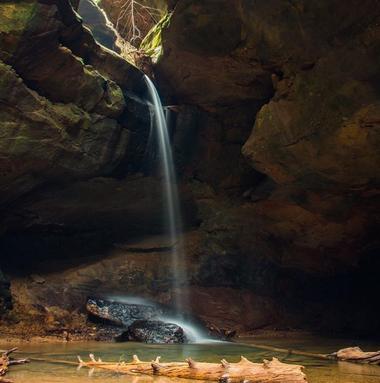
(350, 354)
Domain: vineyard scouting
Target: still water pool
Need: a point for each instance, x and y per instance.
(317, 371)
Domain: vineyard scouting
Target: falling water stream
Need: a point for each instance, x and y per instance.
(160, 130)
(170, 190)
(174, 218)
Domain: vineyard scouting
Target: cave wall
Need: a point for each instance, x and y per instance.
(275, 132)
(290, 90)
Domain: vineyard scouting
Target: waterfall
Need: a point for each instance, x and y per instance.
(170, 190)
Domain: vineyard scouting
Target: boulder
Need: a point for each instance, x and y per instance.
(121, 314)
(154, 331)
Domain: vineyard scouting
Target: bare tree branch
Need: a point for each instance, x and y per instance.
(135, 19)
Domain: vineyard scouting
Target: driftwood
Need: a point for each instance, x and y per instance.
(6, 362)
(244, 371)
(357, 355)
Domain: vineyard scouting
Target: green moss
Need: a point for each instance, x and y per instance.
(15, 15)
(152, 43)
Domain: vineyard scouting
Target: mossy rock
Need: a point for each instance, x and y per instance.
(152, 43)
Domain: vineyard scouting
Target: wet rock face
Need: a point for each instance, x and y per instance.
(154, 331)
(122, 314)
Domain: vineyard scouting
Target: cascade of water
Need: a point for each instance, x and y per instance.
(170, 191)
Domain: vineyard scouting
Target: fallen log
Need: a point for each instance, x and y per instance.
(290, 352)
(6, 362)
(349, 354)
(224, 372)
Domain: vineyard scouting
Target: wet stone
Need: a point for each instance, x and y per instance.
(154, 331)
